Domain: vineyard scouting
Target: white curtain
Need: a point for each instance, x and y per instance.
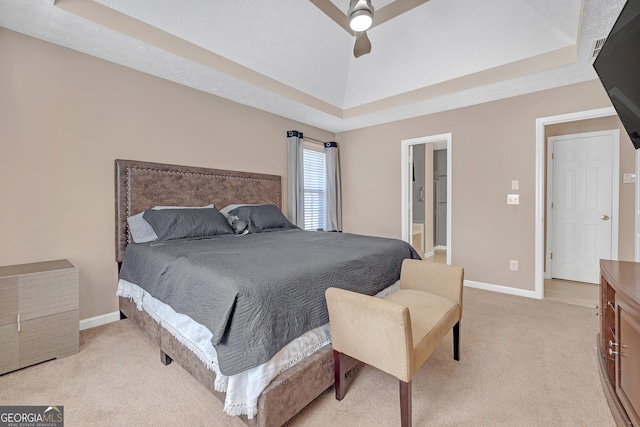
(296, 178)
(334, 204)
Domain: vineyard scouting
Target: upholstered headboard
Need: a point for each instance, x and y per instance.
(143, 185)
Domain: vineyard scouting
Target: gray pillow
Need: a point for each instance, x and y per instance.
(262, 218)
(171, 224)
(142, 232)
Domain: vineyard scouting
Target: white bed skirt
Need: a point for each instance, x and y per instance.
(243, 389)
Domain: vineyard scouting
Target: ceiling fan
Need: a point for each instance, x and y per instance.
(360, 19)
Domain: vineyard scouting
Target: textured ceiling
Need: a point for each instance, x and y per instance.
(290, 58)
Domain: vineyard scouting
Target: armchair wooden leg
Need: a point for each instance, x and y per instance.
(339, 368)
(456, 341)
(405, 404)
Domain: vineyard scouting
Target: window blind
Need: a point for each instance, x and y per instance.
(314, 190)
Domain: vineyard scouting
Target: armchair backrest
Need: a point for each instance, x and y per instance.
(440, 279)
(371, 330)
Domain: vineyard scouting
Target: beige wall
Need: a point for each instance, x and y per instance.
(492, 144)
(65, 117)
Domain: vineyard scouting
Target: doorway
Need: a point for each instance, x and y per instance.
(540, 186)
(436, 142)
(421, 157)
(440, 180)
(582, 204)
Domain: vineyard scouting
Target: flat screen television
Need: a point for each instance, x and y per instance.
(618, 67)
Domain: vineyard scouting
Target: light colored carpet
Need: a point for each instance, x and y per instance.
(524, 362)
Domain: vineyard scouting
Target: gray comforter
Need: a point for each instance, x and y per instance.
(256, 293)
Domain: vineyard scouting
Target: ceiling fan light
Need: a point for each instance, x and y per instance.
(360, 20)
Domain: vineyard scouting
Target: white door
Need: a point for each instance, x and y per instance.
(582, 208)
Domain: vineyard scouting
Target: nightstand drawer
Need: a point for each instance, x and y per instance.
(8, 299)
(44, 294)
(48, 337)
(38, 313)
(8, 348)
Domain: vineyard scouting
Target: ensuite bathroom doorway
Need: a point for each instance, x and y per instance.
(426, 208)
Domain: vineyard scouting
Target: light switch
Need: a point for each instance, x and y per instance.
(513, 199)
(515, 185)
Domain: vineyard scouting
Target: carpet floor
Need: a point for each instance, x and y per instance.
(524, 362)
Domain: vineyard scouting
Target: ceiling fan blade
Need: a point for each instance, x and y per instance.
(362, 45)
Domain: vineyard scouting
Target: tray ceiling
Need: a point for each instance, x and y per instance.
(293, 58)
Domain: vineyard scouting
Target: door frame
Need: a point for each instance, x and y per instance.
(405, 170)
(615, 193)
(540, 187)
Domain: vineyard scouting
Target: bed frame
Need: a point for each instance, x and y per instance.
(142, 185)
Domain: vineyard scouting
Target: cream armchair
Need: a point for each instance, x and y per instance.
(397, 334)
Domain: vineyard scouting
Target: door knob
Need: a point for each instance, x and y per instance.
(605, 217)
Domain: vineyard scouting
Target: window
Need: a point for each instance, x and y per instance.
(314, 188)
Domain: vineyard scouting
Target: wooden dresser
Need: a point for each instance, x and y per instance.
(619, 339)
(38, 313)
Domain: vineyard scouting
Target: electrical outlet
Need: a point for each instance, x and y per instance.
(513, 199)
(513, 265)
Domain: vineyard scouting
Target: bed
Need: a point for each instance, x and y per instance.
(297, 359)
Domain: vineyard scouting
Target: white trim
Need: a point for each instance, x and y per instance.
(440, 247)
(615, 191)
(405, 177)
(103, 319)
(312, 145)
(499, 288)
(615, 196)
(409, 204)
(429, 255)
(540, 207)
(549, 227)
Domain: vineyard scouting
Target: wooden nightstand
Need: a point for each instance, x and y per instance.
(38, 313)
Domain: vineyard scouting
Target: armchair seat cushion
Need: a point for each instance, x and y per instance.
(432, 317)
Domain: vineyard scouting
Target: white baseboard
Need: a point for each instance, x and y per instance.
(92, 322)
(428, 255)
(439, 248)
(501, 289)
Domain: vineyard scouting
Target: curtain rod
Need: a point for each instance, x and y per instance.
(316, 140)
(301, 134)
